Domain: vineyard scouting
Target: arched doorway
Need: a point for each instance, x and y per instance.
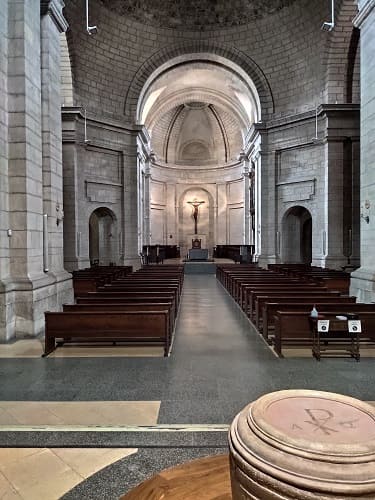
(297, 236)
(103, 237)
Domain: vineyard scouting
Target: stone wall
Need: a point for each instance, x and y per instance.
(100, 172)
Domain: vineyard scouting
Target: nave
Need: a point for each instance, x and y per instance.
(218, 364)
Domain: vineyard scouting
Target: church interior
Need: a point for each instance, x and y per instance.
(187, 203)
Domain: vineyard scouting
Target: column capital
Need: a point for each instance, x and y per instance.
(54, 8)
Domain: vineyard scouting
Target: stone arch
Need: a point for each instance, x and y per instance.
(340, 53)
(103, 237)
(352, 70)
(199, 50)
(297, 236)
(66, 74)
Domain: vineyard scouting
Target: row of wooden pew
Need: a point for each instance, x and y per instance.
(278, 301)
(88, 280)
(139, 308)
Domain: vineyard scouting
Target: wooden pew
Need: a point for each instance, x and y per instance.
(293, 297)
(293, 329)
(121, 306)
(252, 293)
(144, 327)
(155, 289)
(141, 281)
(87, 280)
(145, 299)
(269, 309)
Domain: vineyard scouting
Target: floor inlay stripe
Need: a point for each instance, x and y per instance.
(115, 428)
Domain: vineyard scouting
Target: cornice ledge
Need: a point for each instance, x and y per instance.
(54, 9)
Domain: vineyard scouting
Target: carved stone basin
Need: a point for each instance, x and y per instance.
(302, 444)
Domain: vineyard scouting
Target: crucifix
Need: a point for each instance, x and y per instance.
(196, 204)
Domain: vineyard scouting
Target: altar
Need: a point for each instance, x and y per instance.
(196, 251)
(198, 254)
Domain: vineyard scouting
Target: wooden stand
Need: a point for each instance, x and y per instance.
(338, 341)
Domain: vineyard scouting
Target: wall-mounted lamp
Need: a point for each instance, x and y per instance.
(365, 214)
(91, 30)
(59, 214)
(328, 26)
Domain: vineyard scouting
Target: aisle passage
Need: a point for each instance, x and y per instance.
(215, 349)
(220, 363)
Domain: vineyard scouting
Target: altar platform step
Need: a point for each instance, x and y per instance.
(200, 268)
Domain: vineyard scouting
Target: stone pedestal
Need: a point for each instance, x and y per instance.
(301, 444)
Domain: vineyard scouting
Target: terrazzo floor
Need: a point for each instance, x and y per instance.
(218, 364)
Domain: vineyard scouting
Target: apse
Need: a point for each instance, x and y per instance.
(198, 114)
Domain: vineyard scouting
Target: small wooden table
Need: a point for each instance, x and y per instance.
(337, 341)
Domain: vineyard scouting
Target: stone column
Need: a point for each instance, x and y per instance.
(144, 158)
(334, 206)
(25, 166)
(247, 219)
(220, 215)
(53, 23)
(7, 317)
(73, 155)
(267, 194)
(131, 234)
(146, 207)
(171, 215)
(363, 280)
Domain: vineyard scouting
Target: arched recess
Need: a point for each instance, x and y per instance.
(205, 222)
(297, 236)
(103, 237)
(196, 50)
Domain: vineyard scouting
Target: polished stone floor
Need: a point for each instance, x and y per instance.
(218, 364)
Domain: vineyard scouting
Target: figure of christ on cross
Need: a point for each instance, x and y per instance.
(196, 204)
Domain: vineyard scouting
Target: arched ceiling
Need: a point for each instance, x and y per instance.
(198, 113)
(197, 133)
(202, 82)
(195, 14)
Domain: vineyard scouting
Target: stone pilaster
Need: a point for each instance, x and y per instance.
(267, 201)
(363, 280)
(27, 288)
(246, 176)
(73, 256)
(52, 24)
(26, 275)
(7, 318)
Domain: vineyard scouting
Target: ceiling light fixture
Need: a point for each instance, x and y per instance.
(91, 30)
(328, 26)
